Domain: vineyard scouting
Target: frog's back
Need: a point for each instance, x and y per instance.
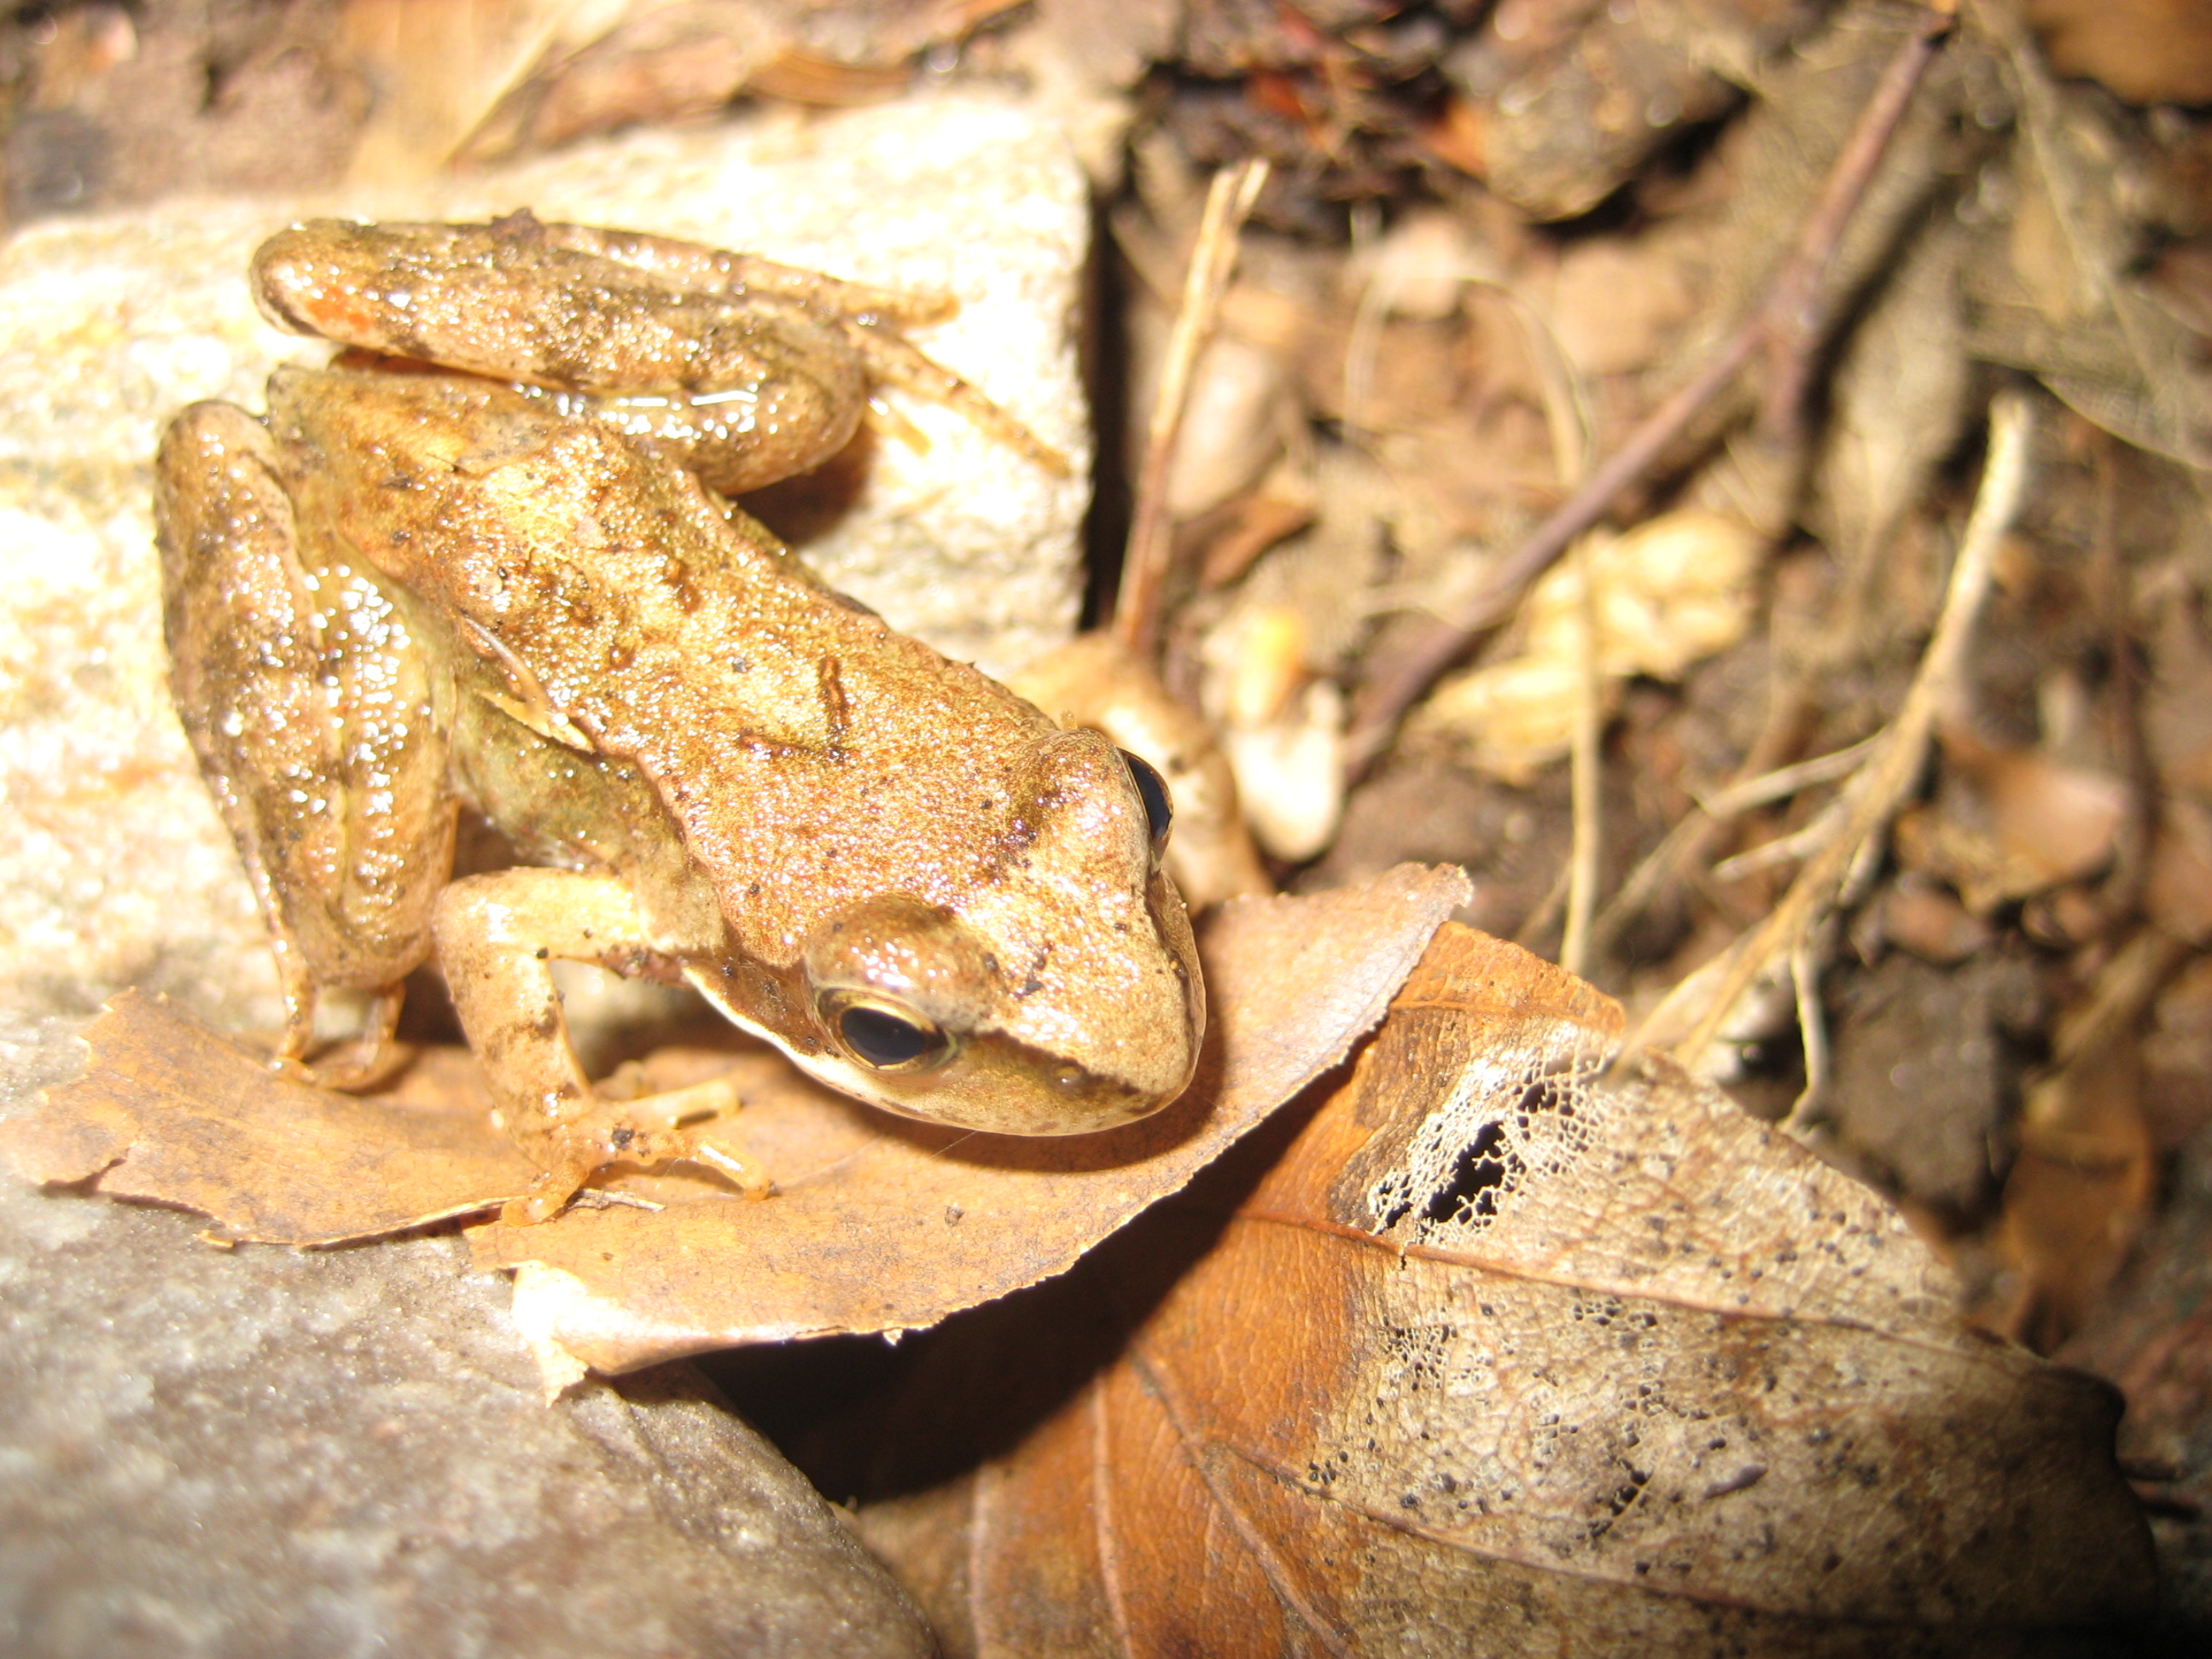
(790, 732)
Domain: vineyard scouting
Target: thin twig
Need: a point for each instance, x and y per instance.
(1686, 840)
(1585, 783)
(1689, 839)
(1785, 780)
(1788, 325)
(1145, 565)
(1530, 932)
(1882, 784)
(1812, 1027)
(1782, 849)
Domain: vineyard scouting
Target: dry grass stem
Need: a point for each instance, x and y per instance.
(1664, 865)
(1229, 202)
(2123, 991)
(1757, 783)
(1813, 1026)
(1534, 926)
(1891, 769)
(1782, 849)
(1585, 782)
(1784, 781)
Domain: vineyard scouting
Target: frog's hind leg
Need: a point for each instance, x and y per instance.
(694, 267)
(311, 715)
(868, 317)
(894, 360)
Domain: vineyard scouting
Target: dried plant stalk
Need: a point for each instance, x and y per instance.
(1788, 326)
(1854, 823)
(1229, 202)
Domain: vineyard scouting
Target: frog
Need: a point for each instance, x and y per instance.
(487, 562)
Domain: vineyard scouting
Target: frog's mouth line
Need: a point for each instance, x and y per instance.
(994, 1082)
(1075, 1102)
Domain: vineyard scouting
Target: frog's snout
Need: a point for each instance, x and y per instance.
(917, 1013)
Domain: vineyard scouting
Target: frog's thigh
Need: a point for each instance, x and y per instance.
(253, 688)
(240, 653)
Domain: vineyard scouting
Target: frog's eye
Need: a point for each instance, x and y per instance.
(883, 1036)
(1159, 808)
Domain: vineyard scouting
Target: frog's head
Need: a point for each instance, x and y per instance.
(1060, 994)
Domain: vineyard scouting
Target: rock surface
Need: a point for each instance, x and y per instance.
(264, 1452)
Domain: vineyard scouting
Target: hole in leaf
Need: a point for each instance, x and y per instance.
(1476, 1175)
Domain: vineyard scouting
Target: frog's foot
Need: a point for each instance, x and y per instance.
(641, 1134)
(354, 1066)
(497, 934)
(895, 361)
(362, 1062)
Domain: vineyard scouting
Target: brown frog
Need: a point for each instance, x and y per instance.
(482, 560)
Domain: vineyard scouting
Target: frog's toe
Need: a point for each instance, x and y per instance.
(547, 1196)
(664, 1111)
(748, 1177)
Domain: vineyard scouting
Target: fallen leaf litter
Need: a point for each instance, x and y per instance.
(861, 1237)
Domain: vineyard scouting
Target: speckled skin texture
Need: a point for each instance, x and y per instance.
(418, 578)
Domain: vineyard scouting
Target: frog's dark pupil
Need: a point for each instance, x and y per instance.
(1152, 790)
(883, 1039)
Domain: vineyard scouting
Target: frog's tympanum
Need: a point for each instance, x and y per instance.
(484, 559)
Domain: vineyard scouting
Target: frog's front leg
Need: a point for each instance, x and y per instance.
(497, 936)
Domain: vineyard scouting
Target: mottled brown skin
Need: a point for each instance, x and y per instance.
(411, 589)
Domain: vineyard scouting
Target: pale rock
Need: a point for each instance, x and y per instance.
(113, 867)
(260, 1453)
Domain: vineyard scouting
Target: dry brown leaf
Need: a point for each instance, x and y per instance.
(2177, 886)
(645, 62)
(881, 1225)
(1504, 1356)
(1573, 96)
(479, 80)
(1669, 592)
(2149, 51)
(2010, 823)
(167, 1111)
(892, 1225)
(1898, 399)
(2061, 298)
(2080, 1192)
(439, 67)
(1922, 917)
(1775, 159)
(1617, 302)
